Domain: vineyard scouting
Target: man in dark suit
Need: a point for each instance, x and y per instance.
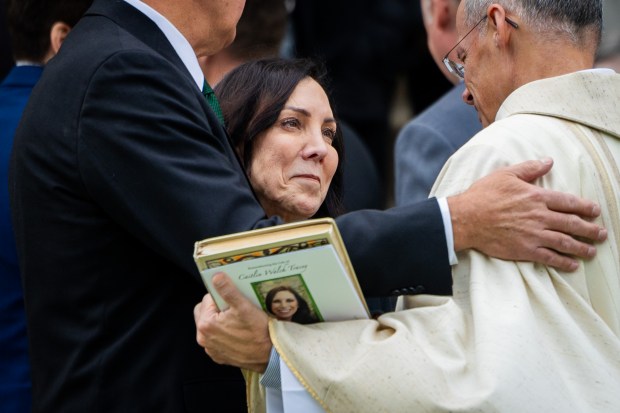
(37, 30)
(120, 165)
(426, 142)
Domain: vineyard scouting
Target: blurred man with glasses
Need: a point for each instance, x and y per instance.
(515, 336)
(426, 142)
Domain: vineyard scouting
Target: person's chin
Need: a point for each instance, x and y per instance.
(285, 317)
(302, 201)
(307, 211)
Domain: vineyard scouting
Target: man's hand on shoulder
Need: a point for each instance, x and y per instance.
(239, 335)
(504, 216)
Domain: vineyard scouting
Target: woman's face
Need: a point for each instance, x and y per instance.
(293, 162)
(284, 305)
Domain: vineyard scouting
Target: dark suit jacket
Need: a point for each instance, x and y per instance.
(425, 143)
(119, 167)
(14, 367)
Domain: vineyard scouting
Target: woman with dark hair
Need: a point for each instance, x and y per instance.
(286, 304)
(281, 123)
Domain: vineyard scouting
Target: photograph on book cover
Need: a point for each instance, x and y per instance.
(288, 298)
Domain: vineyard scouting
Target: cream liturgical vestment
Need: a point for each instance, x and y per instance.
(515, 337)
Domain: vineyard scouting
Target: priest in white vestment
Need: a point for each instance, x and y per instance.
(515, 336)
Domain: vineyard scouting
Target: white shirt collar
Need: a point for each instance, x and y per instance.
(600, 70)
(176, 39)
(27, 63)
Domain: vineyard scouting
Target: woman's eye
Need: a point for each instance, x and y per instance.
(290, 123)
(329, 134)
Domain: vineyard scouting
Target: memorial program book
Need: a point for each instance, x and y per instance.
(308, 257)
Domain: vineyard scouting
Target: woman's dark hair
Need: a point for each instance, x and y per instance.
(253, 95)
(303, 315)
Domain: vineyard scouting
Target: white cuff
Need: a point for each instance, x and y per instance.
(447, 227)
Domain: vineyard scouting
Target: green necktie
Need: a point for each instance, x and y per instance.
(212, 101)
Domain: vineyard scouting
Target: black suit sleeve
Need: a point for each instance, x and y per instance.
(402, 247)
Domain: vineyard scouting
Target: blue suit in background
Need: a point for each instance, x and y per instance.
(14, 366)
(425, 143)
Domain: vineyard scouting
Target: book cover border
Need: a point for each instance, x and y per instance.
(264, 252)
